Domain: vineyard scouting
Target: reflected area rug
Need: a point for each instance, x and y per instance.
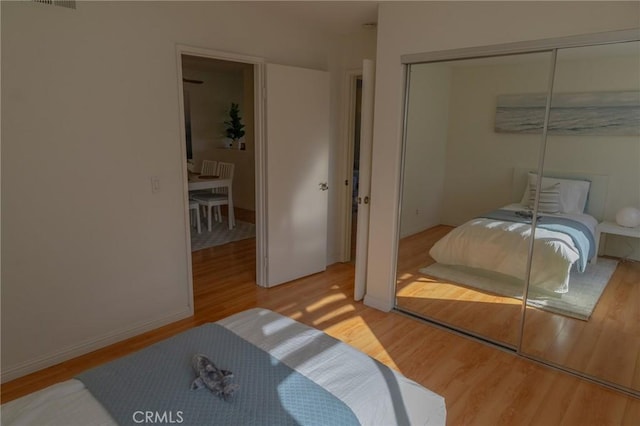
(221, 234)
(584, 289)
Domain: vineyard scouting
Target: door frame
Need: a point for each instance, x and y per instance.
(260, 154)
(348, 147)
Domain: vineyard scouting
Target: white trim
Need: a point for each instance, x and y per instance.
(379, 304)
(348, 134)
(519, 47)
(90, 345)
(218, 54)
(260, 157)
(393, 279)
(183, 166)
(261, 173)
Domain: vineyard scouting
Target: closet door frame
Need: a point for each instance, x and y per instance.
(551, 45)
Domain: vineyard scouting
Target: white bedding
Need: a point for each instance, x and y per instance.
(503, 247)
(349, 374)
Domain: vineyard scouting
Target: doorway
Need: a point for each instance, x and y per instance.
(352, 172)
(356, 167)
(297, 194)
(209, 82)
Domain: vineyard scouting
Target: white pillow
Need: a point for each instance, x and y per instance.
(573, 192)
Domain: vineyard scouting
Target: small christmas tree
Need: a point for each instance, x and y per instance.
(235, 128)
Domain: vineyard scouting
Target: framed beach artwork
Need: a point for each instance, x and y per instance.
(589, 113)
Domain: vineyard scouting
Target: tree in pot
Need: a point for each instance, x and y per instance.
(235, 128)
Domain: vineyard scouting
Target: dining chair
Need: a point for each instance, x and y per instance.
(218, 197)
(209, 168)
(194, 211)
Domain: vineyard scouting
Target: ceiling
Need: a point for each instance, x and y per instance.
(336, 17)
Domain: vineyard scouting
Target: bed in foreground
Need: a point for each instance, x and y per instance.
(286, 373)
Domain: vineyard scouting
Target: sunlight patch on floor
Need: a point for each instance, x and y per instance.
(356, 332)
(327, 300)
(441, 290)
(342, 310)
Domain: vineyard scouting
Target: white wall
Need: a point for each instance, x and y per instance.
(426, 148)
(210, 102)
(89, 113)
(480, 162)
(425, 27)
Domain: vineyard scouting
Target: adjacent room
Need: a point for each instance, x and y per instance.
(218, 98)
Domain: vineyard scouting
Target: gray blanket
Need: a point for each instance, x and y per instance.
(153, 385)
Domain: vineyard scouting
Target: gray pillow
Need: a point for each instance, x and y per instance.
(549, 198)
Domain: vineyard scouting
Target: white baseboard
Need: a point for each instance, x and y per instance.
(39, 363)
(379, 304)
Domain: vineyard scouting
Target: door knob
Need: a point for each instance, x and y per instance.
(323, 186)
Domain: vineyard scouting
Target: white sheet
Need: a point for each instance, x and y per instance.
(344, 371)
(503, 247)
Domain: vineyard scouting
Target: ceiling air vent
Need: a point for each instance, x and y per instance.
(69, 4)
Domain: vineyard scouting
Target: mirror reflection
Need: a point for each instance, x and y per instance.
(461, 262)
(587, 317)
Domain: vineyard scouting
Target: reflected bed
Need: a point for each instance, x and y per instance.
(500, 240)
(500, 243)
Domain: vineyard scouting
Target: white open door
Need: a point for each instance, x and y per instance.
(364, 186)
(297, 159)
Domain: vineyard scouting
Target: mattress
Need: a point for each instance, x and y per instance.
(376, 394)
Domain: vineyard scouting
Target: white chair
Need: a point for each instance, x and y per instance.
(209, 168)
(194, 210)
(218, 197)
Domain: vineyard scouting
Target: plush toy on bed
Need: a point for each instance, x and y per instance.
(211, 377)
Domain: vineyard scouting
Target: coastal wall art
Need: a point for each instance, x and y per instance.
(589, 113)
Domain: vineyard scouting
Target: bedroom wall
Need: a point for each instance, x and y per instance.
(89, 114)
(426, 145)
(431, 26)
(480, 162)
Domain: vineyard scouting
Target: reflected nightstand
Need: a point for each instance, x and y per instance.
(614, 229)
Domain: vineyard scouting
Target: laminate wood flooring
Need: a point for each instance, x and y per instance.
(482, 385)
(606, 346)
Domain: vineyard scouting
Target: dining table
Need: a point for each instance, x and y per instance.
(198, 182)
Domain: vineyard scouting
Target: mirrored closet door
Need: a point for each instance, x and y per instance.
(459, 162)
(515, 170)
(584, 310)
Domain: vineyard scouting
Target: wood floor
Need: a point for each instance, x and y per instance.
(606, 346)
(482, 385)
